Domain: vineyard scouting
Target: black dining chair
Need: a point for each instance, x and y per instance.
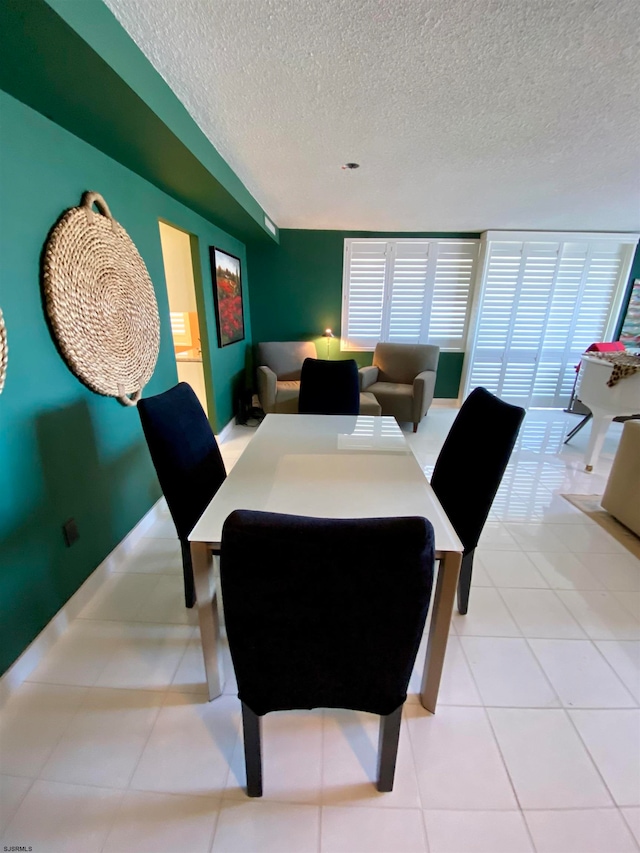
(324, 613)
(469, 470)
(187, 460)
(329, 387)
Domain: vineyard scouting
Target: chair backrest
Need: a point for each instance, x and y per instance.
(324, 612)
(472, 461)
(285, 358)
(403, 362)
(184, 452)
(329, 387)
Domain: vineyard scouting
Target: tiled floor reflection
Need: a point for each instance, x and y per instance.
(111, 745)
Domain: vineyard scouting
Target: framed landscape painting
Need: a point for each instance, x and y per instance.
(225, 269)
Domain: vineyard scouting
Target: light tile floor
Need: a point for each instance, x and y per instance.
(111, 745)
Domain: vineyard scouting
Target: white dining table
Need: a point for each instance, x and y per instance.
(327, 466)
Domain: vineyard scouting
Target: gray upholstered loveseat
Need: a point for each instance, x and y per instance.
(278, 374)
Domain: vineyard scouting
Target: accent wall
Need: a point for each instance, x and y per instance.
(66, 452)
(296, 292)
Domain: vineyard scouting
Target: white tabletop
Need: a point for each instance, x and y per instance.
(327, 467)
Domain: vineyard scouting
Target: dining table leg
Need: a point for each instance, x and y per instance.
(443, 602)
(207, 603)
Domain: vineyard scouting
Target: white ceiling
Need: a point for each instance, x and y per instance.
(464, 114)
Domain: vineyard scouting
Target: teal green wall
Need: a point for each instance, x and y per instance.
(64, 451)
(73, 62)
(296, 292)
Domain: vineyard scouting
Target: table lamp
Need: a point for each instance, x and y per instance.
(328, 334)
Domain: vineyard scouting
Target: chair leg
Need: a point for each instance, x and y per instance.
(187, 568)
(464, 582)
(415, 427)
(252, 733)
(388, 749)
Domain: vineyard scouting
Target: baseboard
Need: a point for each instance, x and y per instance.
(446, 402)
(22, 668)
(225, 432)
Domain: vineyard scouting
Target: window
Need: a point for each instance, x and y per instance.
(407, 291)
(543, 298)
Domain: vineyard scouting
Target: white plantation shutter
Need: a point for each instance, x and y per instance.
(454, 266)
(542, 301)
(363, 306)
(407, 291)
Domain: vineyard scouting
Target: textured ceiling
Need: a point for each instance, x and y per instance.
(464, 114)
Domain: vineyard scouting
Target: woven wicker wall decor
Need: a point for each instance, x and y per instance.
(100, 302)
(4, 351)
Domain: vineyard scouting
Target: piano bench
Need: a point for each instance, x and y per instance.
(622, 494)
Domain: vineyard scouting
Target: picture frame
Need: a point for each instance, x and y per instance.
(227, 289)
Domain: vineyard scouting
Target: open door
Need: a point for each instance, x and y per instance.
(183, 309)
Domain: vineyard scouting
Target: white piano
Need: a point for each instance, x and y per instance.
(605, 403)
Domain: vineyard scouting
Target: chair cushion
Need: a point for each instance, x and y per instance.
(390, 390)
(395, 399)
(285, 358)
(403, 362)
(287, 394)
(369, 405)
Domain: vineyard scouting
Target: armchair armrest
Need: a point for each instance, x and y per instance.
(423, 387)
(267, 388)
(368, 375)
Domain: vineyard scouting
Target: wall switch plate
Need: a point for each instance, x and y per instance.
(70, 532)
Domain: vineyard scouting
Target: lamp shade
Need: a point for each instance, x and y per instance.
(328, 334)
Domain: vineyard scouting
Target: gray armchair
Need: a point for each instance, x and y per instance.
(402, 378)
(278, 374)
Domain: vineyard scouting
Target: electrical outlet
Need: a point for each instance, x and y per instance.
(70, 532)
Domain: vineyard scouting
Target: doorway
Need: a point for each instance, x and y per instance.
(183, 308)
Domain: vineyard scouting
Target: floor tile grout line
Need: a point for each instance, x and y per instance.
(65, 728)
(534, 846)
(502, 757)
(562, 604)
(602, 657)
(425, 831)
(628, 825)
(497, 743)
(148, 738)
(628, 689)
(32, 781)
(592, 758)
(489, 705)
(112, 822)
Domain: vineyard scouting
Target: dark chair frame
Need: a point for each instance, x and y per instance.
(388, 739)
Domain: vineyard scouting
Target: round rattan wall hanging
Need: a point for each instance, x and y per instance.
(100, 302)
(4, 351)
